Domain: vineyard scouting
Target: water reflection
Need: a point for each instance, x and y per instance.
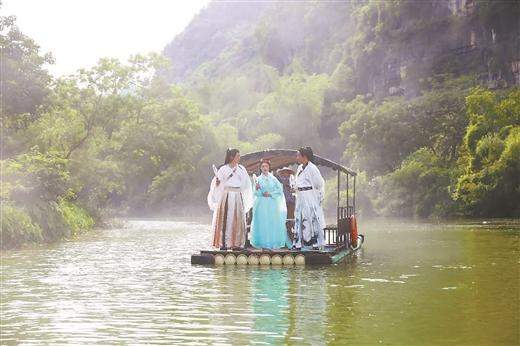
(290, 305)
(270, 304)
(412, 284)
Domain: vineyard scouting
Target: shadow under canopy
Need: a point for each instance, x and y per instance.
(345, 208)
(341, 239)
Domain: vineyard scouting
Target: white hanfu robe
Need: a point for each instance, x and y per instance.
(230, 201)
(308, 214)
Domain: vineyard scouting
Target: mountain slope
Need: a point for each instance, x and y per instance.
(383, 86)
(386, 44)
(213, 31)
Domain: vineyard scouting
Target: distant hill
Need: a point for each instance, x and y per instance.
(420, 96)
(213, 32)
(389, 46)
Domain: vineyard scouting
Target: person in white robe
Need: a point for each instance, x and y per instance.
(230, 198)
(310, 191)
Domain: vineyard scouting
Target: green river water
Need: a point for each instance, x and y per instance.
(412, 284)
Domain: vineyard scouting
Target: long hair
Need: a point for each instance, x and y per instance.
(230, 155)
(307, 152)
(262, 161)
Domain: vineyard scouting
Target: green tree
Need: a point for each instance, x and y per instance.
(420, 187)
(380, 135)
(293, 109)
(24, 83)
(490, 184)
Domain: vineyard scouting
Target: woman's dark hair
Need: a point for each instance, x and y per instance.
(262, 161)
(307, 152)
(230, 155)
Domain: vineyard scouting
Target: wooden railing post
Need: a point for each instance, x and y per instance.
(338, 215)
(354, 198)
(348, 192)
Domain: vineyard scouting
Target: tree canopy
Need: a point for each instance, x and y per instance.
(421, 98)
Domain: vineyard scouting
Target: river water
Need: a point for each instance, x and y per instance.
(412, 284)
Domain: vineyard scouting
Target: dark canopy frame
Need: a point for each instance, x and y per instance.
(285, 157)
(338, 235)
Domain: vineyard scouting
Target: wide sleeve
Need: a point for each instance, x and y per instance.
(277, 187)
(296, 178)
(279, 197)
(214, 194)
(318, 183)
(221, 173)
(246, 189)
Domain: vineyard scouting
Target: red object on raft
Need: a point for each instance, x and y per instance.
(353, 231)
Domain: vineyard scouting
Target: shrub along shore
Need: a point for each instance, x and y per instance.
(426, 134)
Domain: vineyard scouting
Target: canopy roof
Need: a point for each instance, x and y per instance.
(284, 157)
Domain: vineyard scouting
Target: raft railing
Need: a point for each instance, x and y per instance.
(344, 212)
(339, 235)
(335, 235)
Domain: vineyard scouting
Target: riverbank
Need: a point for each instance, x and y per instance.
(42, 222)
(19, 231)
(47, 222)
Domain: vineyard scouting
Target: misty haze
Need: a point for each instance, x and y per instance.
(378, 141)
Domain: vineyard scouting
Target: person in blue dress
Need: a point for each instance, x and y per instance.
(269, 211)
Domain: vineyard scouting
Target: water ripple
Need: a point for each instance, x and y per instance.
(136, 285)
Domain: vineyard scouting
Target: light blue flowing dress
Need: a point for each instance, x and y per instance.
(269, 215)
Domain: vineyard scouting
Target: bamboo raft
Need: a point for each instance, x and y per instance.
(331, 254)
(341, 238)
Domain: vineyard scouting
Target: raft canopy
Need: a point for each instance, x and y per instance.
(338, 240)
(280, 158)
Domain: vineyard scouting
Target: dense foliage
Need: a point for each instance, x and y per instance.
(419, 97)
(490, 183)
(386, 87)
(113, 137)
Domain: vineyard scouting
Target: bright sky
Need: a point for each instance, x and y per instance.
(79, 32)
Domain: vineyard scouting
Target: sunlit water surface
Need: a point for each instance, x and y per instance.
(413, 284)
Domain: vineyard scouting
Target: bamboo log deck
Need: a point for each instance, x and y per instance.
(338, 237)
(252, 256)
